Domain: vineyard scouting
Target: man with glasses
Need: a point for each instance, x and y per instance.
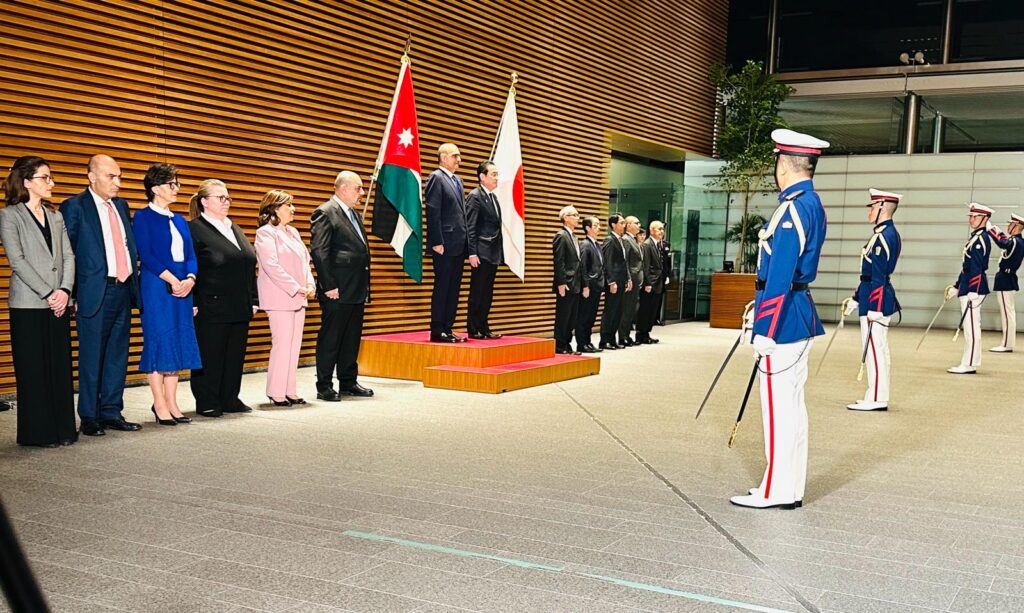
(106, 289)
(447, 240)
(567, 280)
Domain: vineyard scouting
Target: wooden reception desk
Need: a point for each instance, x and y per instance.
(730, 292)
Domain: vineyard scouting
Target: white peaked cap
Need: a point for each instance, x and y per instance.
(877, 194)
(974, 207)
(794, 143)
(1016, 217)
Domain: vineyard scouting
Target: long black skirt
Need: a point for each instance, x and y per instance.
(41, 347)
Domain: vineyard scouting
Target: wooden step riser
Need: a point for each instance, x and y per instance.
(496, 383)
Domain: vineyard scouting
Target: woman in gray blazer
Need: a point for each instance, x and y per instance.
(42, 276)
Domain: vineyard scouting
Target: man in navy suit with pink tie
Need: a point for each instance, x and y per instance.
(447, 240)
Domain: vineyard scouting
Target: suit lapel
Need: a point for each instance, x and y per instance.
(32, 225)
(92, 218)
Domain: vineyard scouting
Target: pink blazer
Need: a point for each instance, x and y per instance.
(284, 268)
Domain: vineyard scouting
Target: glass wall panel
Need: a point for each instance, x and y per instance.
(982, 121)
(815, 35)
(987, 30)
(748, 32)
(852, 125)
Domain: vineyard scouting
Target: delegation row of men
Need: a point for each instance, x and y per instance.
(194, 283)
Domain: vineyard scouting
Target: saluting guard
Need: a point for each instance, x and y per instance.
(1005, 284)
(972, 287)
(785, 321)
(875, 298)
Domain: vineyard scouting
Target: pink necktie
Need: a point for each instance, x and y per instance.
(120, 259)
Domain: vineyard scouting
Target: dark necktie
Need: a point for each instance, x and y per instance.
(355, 223)
(497, 208)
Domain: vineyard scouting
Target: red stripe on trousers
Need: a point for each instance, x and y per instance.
(771, 429)
(972, 331)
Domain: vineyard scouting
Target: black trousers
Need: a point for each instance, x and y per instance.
(587, 317)
(629, 312)
(566, 311)
(647, 313)
(481, 293)
(444, 300)
(337, 343)
(222, 348)
(611, 317)
(41, 349)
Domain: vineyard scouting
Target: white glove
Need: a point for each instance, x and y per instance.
(875, 315)
(989, 226)
(764, 345)
(973, 296)
(851, 306)
(951, 292)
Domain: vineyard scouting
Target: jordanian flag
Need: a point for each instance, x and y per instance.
(397, 210)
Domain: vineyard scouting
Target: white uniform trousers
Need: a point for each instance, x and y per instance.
(1008, 315)
(972, 331)
(877, 358)
(782, 376)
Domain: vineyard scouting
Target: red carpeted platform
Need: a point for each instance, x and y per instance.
(490, 366)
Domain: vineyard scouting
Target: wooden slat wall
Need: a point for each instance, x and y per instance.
(284, 94)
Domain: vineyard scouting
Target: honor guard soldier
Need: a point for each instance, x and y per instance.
(785, 321)
(1005, 284)
(875, 298)
(972, 287)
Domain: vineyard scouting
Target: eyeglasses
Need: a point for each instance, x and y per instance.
(173, 185)
(572, 214)
(45, 178)
(223, 199)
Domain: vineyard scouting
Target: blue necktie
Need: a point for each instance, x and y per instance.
(355, 223)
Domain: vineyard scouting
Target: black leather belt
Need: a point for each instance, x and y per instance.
(867, 278)
(796, 287)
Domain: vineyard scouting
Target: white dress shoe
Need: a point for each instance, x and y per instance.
(759, 502)
(864, 405)
(1001, 349)
(962, 370)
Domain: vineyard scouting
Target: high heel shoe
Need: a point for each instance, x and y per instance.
(280, 403)
(181, 419)
(295, 401)
(162, 422)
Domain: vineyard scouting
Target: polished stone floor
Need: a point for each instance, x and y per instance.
(547, 499)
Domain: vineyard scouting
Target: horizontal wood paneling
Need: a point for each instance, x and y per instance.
(284, 94)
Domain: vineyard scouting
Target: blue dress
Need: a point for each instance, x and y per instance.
(168, 333)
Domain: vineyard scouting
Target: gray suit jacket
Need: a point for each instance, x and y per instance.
(35, 272)
(634, 260)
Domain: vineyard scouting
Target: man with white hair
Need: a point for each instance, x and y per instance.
(1005, 285)
(875, 298)
(567, 280)
(972, 287)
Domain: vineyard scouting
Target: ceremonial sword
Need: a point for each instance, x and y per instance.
(864, 355)
(739, 339)
(842, 320)
(941, 306)
(746, 396)
(970, 306)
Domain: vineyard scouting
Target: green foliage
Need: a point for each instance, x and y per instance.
(747, 229)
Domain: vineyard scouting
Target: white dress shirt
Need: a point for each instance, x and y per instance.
(108, 237)
(224, 227)
(177, 244)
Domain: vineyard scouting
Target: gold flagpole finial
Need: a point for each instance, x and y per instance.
(515, 79)
(408, 46)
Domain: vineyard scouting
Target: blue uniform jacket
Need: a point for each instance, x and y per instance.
(976, 251)
(877, 263)
(1013, 254)
(788, 253)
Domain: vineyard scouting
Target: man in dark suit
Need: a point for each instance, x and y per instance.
(652, 286)
(106, 289)
(447, 238)
(567, 280)
(483, 232)
(635, 266)
(617, 281)
(666, 273)
(592, 268)
(342, 260)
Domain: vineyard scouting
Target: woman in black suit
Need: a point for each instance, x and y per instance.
(42, 277)
(225, 300)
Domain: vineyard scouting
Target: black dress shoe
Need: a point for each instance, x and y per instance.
(604, 346)
(296, 401)
(622, 346)
(628, 342)
(92, 428)
(493, 335)
(477, 336)
(120, 424)
(443, 337)
(163, 422)
(181, 419)
(458, 339)
(592, 349)
(209, 412)
(355, 390)
(652, 341)
(280, 403)
(328, 396)
(238, 407)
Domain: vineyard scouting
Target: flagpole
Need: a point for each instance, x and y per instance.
(512, 91)
(383, 143)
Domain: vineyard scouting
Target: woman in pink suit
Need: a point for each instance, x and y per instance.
(285, 282)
